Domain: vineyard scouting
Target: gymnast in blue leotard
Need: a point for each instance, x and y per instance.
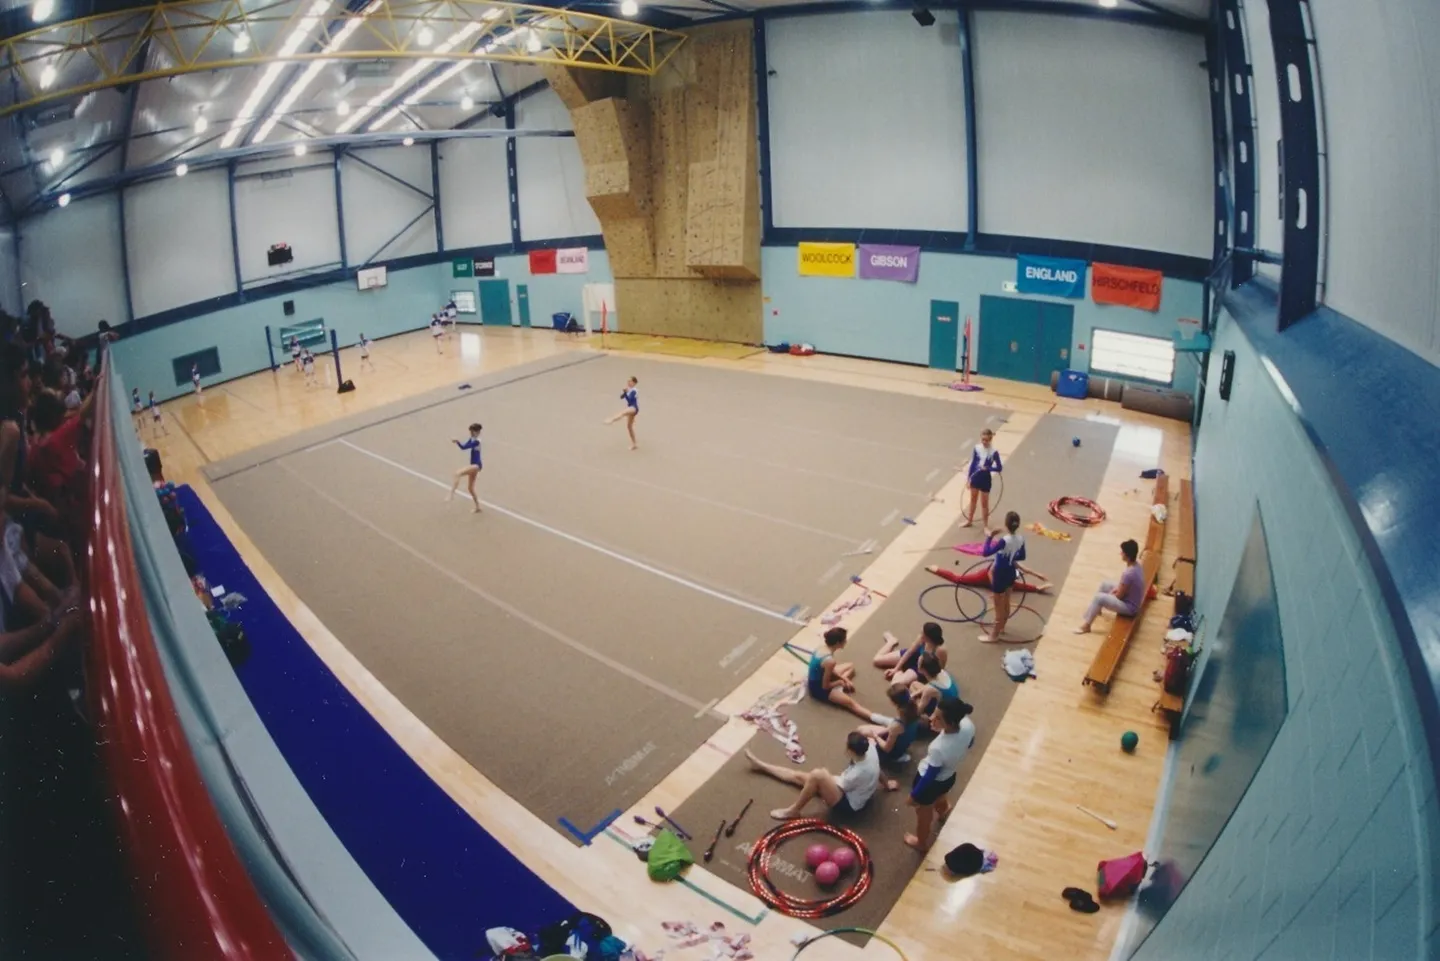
(631, 397)
(1008, 550)
(984, 461)
(935, 685)
(830, 682)
(893, 739)
(472, 469)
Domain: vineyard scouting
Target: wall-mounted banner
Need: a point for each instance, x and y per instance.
(827, 260)
(542, 261)
(573, 260)
(884, 262)
(484, 266)
(1052, 276)
(1127, 286)
(462, 268)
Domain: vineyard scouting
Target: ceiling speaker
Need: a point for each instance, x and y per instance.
(923, 17)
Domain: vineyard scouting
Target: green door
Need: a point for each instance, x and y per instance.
(1057, 330)
(495, 303)
(944, 335)
(1010, 339)
(522, 299)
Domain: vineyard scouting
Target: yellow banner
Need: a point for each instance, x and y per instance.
(827, 260)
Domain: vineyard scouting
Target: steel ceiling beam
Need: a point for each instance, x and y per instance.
(94, 53)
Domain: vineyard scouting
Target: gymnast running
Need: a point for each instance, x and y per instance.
(984, 461)
(899, 662)
(831, 683)
(470, 470)
(631, 410)
(1008, 549)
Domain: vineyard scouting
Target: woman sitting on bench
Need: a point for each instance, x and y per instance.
(1124, 598)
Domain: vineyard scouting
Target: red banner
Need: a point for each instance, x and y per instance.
(542, 261)
(1127, 286)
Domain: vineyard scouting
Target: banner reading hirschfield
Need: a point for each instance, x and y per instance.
(1054, 276)
(572, 260)
(1127, 286)
(827, 260)
(884, 262)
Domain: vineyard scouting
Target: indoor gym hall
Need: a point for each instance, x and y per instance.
(286, 528)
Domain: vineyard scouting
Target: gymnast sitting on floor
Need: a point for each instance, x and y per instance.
(935, 685)
(893, 740)
(830, 682)
(900, 662)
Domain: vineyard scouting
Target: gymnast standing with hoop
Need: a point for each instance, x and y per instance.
(984, 461)
(1008, 549)
(470, 470)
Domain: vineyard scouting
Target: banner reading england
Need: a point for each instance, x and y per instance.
(1054, 276)
(827, 260)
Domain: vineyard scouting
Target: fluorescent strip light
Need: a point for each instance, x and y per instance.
(292, 43)
(401, 82)
(312, 71)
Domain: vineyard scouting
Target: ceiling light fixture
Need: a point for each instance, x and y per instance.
(201, 124)
(241, 43)
(292, 43)
(409, 141)
(47, 77)
(425, 37)
(301, 149)
(467, 102)
(312, 71)
(182, 170)
(63, 200)
(57, 157)
(342, 108)
(629, 8)
(41, 11)
(533, 43)
(1109, 4)
(401, 82)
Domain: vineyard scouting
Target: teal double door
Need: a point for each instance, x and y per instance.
(1024, 340)
(495, 303)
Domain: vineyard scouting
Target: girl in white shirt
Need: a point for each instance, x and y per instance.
(846, 795)
(936, 776)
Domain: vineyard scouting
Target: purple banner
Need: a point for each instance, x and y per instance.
(884, 262)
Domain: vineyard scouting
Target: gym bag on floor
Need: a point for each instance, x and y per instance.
(668, 857)
(1119, 877)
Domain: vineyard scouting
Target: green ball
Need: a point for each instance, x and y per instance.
(1128, 741)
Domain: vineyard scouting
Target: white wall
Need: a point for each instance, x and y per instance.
(552, 175)
(377, 208)
(1381, 87)
(177, 233)
(70, 259)
(474, 192)
(867, 121)
(1093, 131)
(10, 300)
(298, 209)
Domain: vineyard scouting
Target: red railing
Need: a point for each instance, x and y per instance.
(194, 895)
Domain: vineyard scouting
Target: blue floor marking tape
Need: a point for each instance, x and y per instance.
(440, 870)
(585, 837)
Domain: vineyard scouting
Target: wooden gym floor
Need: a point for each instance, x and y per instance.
(1055, 747)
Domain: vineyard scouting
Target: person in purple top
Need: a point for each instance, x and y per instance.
(1123, 598)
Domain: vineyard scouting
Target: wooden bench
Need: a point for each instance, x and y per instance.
(1155, 533)
(1185, 577)
(1186, 507)
(1172, 706)
(1112, 649)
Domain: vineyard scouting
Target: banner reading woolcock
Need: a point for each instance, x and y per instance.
(826, 260)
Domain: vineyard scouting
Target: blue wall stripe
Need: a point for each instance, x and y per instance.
(443, 874)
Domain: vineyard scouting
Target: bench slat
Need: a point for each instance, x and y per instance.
(1187, 522)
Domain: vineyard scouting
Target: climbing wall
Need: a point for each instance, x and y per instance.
(671, 172)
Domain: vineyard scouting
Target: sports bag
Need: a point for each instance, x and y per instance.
(1120, 877)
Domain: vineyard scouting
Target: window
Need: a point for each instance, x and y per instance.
(464, 301)
(1130, 355)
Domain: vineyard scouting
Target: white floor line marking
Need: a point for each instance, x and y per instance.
(931, 476)
(700, 498)
(706, 708)
(320, 446)
(614, 555)
(830, 573)
(890, 517)
(738, 650)
(510, 609)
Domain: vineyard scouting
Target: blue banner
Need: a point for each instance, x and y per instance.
(1051, 276)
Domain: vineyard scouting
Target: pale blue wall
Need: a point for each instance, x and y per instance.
(1332, 852)
(411, 296)
(891, 321)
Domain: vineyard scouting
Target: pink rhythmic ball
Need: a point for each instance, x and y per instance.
(816, 855)
(843, 858)
(827, 874)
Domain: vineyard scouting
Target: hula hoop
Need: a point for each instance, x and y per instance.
(835, 931)
(984, 605)
(1010, 637)
(1096, 515)
(1019, 577)
(758, 870)
(995, 495)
